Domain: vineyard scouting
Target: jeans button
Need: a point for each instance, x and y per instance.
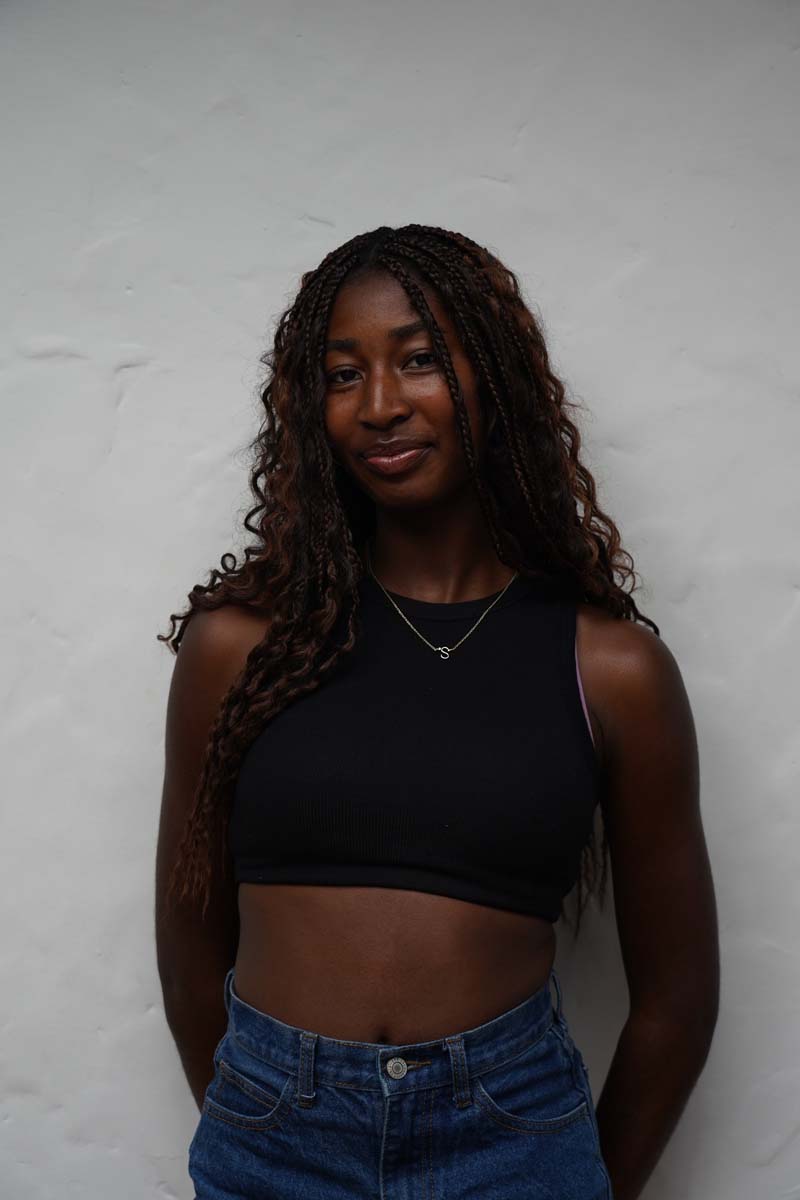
(396, 1067)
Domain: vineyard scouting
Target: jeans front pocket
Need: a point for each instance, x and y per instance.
(247, 1091)
(534, 1091)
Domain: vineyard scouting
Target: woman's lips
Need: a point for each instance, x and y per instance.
(393, 464)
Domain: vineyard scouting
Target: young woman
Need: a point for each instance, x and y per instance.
(392, 734)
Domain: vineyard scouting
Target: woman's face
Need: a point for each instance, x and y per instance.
(384, 383)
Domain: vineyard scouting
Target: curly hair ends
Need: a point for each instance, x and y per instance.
(309, 520)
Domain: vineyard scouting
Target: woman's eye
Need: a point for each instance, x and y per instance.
(424, 354)
(333, 374)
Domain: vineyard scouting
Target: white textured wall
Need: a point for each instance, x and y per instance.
(169, 170)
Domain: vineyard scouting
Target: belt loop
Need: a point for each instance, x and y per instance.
(305, 1073)
(227, 991)
(558, 1007)
(458, 1060)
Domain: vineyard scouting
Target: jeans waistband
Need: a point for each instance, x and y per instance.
(401, 1067)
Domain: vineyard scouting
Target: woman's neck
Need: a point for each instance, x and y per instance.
(438, 571)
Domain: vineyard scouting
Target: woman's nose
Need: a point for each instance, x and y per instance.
(382, 397)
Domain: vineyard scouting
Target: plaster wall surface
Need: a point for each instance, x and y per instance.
(169, 172)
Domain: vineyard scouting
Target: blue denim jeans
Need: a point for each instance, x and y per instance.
(501, 1111)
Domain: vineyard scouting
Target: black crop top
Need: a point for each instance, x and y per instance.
(473, 776)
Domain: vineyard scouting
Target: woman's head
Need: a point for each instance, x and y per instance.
(389, 414)
(496, 414)
(474, 382)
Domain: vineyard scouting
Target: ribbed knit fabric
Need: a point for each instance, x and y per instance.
(473, 777)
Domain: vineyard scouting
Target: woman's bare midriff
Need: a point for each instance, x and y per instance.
(374, 964)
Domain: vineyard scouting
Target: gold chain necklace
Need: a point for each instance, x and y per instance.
(443, 651)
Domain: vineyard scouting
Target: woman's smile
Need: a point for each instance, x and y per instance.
(397, 463)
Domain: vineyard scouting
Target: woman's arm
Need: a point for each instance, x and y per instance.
(663, 893)
(194, 953)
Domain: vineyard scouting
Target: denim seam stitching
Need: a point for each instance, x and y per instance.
(255, 1124)
(247, 1047)
(254, 1090)
(587, 1092)
(504, 1061)
(543, 1126)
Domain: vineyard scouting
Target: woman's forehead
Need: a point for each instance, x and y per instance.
(378, 301)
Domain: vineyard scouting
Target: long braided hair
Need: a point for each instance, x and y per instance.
(310, 520)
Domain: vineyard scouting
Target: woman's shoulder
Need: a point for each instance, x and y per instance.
(216, 643)
(629, 674)
(621, 643)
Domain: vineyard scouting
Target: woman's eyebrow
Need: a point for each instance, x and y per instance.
(399, 332)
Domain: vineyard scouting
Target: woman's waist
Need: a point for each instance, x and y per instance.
(386, 965)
